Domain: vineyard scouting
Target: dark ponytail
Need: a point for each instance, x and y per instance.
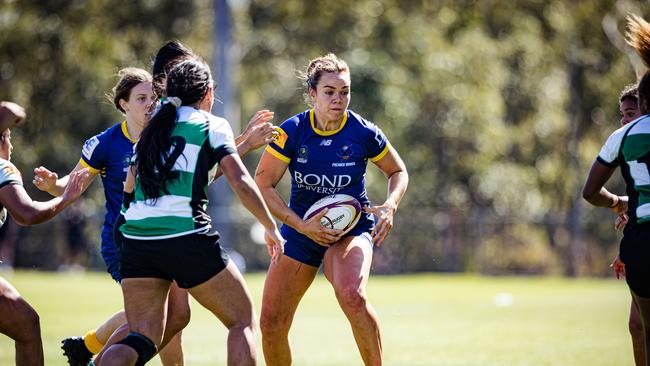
(187, 84)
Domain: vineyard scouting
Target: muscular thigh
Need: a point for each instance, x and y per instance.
(286, 283)
(349, 260)
(144, 304)
(226, 296)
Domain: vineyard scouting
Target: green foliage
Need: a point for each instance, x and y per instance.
(497, 110)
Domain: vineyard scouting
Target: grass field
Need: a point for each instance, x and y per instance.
(446, 320)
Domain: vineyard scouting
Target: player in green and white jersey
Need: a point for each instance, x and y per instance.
(166, 228)
(629, 148)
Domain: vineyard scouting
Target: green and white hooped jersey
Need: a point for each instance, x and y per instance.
(8, 175)
(629, 147)
(199, 141)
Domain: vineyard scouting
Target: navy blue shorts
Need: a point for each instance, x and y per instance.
(189, 260)
(635, 253)
(306, 251)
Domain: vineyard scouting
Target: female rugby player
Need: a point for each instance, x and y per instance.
(326, 150)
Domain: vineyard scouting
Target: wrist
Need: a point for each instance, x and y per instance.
(615, 201)
(243, 147)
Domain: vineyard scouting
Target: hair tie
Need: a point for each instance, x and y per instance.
(175, 101)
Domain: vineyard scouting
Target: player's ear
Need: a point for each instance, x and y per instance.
(312, 95)
(123, 104)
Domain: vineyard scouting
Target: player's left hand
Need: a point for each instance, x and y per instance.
(621, 221)
(384, 214)
(618, 267)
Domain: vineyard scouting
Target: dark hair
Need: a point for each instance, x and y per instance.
(188, 81)
(320, 65)
(129, 78)
(168, 56)
(638, 36)
(629, 92)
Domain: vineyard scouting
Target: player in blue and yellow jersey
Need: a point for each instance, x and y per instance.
(629, 148)
(18, 320)
(326, 150)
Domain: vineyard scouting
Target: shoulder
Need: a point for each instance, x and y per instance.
(356, 120)
(293, 123)
(103, 138)
(9, 173)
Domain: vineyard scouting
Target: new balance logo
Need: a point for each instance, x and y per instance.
(326, 142)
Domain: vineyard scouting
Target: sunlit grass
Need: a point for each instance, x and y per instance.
(444, 320)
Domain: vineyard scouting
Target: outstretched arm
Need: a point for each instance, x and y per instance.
(27, 212)
(394, 169)
(249, 195)
(48, 181)
(257, 133)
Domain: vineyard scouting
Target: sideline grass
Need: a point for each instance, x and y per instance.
(445, 320)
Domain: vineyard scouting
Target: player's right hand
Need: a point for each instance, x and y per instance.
(618, 267)
(75, 186)
(274, 243)
(318, 233)
(44, 179)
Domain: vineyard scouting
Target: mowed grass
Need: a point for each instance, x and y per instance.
(429, 319)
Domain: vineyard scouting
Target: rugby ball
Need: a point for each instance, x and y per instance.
(343, 212)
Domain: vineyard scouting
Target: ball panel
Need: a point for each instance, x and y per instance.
(343, 212)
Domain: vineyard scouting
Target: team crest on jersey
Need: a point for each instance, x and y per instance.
(89, 147)
(345, 153)
(281, 138)
(302, 154)
(10, 170)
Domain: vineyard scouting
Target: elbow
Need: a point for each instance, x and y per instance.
(588, 194)
(24, 219)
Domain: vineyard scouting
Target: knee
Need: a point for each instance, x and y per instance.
(179, 319)
(351, 298)
(273, 322)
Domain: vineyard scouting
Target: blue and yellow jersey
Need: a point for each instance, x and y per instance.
(109, 154)
(328, 162)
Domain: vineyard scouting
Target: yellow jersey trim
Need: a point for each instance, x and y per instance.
(381, 154)
(312, 120)
(86, 165)
(125, 131)
(272, 151)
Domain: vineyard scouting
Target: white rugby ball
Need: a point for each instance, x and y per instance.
(343, 212)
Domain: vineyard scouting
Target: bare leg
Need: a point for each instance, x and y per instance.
(105, 330)
(643, 305)
(286, 283)
(227, 297)
(638, 338)
(171, 347)
(347, 267)
(20, 322)
(145, 303)
(178, 316)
